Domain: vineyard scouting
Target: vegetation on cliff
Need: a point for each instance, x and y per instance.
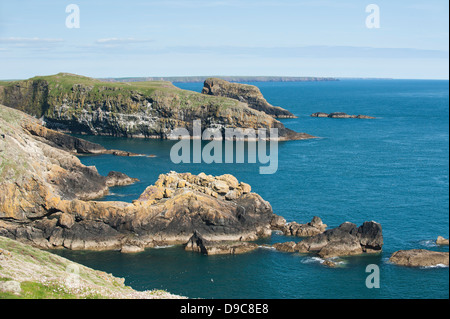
(29, 273)
(152, 109)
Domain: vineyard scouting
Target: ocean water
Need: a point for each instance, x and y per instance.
(393, 170)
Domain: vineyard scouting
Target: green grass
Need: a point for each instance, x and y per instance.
(35, 290)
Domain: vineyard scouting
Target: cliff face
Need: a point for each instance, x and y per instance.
(244, 93)
(140, 109)
(44, 192)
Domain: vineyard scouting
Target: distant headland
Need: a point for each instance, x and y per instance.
(198, 79)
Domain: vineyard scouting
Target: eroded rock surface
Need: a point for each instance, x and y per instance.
(245, 93)
(420, 258)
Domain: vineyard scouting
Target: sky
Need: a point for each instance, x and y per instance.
(137, 38)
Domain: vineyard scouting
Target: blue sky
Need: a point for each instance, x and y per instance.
(225, 37)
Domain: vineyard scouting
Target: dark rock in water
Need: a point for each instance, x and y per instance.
(245, 93)
(341, 115)
(347, 239)
(319, 114)
(420, 258)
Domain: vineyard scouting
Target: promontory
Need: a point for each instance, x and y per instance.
(154, 109)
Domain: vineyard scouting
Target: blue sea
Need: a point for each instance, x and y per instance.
(393, 170)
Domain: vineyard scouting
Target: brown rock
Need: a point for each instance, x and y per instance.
(441, 241)
(419, 258)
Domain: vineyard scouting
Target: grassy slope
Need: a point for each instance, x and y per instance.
(43, 275)
(61, 86)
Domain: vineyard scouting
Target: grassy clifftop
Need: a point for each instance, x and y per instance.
(30, 273)
(39, 95)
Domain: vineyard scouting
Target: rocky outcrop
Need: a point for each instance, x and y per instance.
(314, 227)
(441, 241)
(245, 93)
(200, 245)
(77, 104)
(420, 258)
(345, 240)
(341, 115)
(45, 192)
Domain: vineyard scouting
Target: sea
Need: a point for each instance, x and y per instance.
(393, 170)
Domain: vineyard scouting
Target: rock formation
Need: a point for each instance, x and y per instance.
(419, 258)
(314, 227)
(245, 93)
(44, 192)
(341, 115)
(345, 240)
(441, 241)
(198, 244)
(77, 104)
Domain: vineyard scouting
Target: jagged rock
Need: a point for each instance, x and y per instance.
(314, 227)
(119, 179)
(419, 258)
(441, 241)
(285, 247)
(347, 239)
(278, 223)
(245, 93)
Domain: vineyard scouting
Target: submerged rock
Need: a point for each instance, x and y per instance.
(314, 227)
(420, 258)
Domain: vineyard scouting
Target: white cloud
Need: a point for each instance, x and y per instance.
(121, 40)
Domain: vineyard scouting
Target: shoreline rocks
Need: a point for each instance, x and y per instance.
(341, 115)
(420, 258)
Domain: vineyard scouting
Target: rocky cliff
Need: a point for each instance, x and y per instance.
(245, 93)
(44, 193)
(78, 104)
